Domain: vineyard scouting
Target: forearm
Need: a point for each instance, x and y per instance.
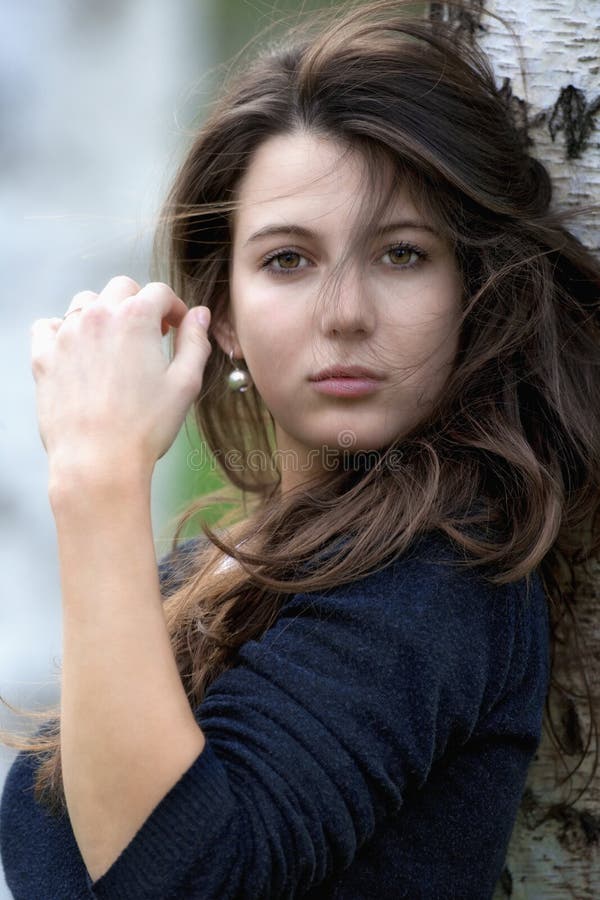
(127, 731)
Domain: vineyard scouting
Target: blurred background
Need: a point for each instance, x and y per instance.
(98, 102)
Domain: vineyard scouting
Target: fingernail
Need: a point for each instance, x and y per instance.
(202, 316)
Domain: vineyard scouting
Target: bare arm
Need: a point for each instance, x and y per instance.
(128, 732)
(110, 404)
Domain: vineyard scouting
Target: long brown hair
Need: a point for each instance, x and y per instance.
(506, 463)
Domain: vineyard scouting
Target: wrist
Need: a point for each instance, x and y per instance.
(97, 479)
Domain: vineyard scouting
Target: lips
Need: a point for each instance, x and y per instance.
(347, 381)
(348, 372)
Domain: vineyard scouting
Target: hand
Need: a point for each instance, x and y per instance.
(107, 396)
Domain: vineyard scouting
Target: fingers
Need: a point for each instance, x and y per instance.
(155, 300)
(119, 288)
(156, 297)
(81, 300)
(192, 349)
(116, 290)
(169, 307)
(43, 332)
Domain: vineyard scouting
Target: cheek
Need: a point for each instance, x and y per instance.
(268, 344)
(437, 314)
(428, 338)
(426, 334)
(269, 325)
(266, 353)
(442, 346)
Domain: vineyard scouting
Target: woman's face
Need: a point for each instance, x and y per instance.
(393, 308)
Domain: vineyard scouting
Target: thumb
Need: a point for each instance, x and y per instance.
(192, 348)
(201, 316)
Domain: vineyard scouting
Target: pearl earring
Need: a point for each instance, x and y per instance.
(239, 380)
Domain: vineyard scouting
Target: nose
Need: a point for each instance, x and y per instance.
(347, 308)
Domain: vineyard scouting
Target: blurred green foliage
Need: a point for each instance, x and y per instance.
(237, 21)
(195, 476)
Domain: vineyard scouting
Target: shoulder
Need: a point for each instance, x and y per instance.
(436, 580)
(406, 660)
(432, 575)
(423, 612)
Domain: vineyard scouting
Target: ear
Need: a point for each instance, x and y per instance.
(223, 330)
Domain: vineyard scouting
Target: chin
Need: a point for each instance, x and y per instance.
(348, 441)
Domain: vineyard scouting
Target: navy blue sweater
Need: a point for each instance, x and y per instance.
(373, 743)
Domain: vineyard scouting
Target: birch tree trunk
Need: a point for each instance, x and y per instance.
(554, 850)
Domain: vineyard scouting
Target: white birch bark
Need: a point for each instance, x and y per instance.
(554, 852)
(561, 53)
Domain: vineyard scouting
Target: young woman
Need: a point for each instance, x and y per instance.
(388, 339)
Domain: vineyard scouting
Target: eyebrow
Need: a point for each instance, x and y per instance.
(301, 231)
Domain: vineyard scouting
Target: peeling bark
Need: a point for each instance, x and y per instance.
(554, 852)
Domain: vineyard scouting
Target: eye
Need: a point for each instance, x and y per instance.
(404, 256)
(288, 261)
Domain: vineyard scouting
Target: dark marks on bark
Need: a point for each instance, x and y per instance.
(505, 882)
(579, 830)
(591, 827)
(518, 111)
(572, 738)
(465, 20)
(573, 115)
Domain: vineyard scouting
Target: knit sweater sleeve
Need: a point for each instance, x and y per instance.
(314, 735)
